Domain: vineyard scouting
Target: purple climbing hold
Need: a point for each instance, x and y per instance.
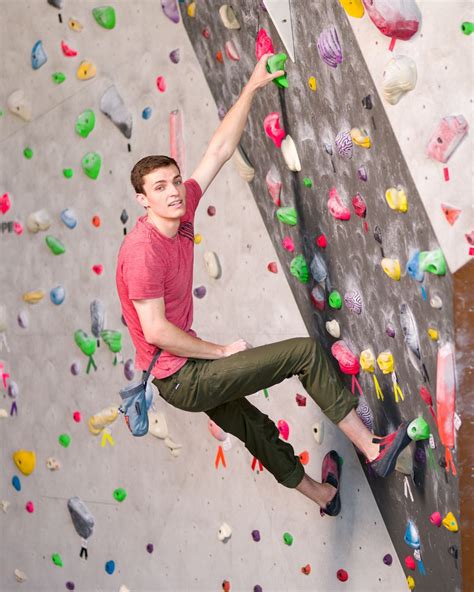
(12, 389)
(353, 301)
(150, 547)
(329, 47)
(257, 588)
(390, 330)
(221, 112)
(256, 535)
(362, 173)
(75, 368)
(387, 559)
(170, 8)
(344, 143)
(199, 292)
(70, 586)
(129, 369)
(174, 56)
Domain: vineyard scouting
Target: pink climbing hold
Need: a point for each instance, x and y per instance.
(318, 297)
(30, 507)
(216, 431)
(5, 203)
(98, 269)
(447, 137)
(348, 362)
(342, 575)
(321, 241)
(77, 416)
(450, 213)
(231, 51)
(284, 429)
(300, 400)
(288, 244)
(336, 207)
(410, 562)
(359, 204)
(273, 181)
(272, 267)
(68, 51)
(271, 125)
(161, 84)
(263, 44)
(394, 18)
(436, 519)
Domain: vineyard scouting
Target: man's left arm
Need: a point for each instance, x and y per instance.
(227, 136)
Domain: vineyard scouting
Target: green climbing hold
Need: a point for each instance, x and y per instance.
(287, 216)
(68, 173)
(56, 557)
(55, 245)
(104, 16)
(299, 268)
(335, 300)
(120, 494)
(287, 539)
(113, 339)
(28, 153)
(91, 164)
(467, 28)
(307, 182)
(87, 344)
(58, 77)
(64, 440)
(432, 261)
(85, 123)
(277, 62)
(418, 429)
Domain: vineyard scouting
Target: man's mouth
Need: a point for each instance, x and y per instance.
(177, 203)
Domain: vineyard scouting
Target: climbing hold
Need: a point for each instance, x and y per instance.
(318, 297)
(68, 217)
(353, 301)
(306, 569)
(199, 292)
(16, 483)
(321, 241)
(64, 440)
(397, 199)
(412, 538)
(158, 426)
(226, 586)
(224, 533)
(263, 44)
(410, 330)
(360, 137)
(271, 125)
(353, 8)
(23, 319)
(399, 77)
(367, 102)
(344, 144)
(467, 27)
(70, 586)
(307, 182)
(146, 113)
(335, 300)
(129, 370)
(56, 3)
(150, 548)
(418, 429)
(304, 457)
(212, 264)
(332, 327)
(75, 25)
(410, 583)
(217, 431)
(318, 268)
(290, 154)
(33, 297)
(57, 295)
(390, 330)
(436, 302)
(68, 173)
(399, 19)
(287, 539)
(97, 312)
(37, 221)
(433, 261)
(272, 267)
(228, 17)
(81, 517)
(86, 70)
(25, 460)
(387, 559)
(359, 205)
(287, 216)
(5, 203)
(91, 163)
(450, 522)
(56, 559)
(284, 429)
(211, 211)
(120, 494)
(220, 57)
(435, 519)
(348, 362)
(55, 245)
(365, 414)
(312, 83)
(104, 16)
(76, 416)
(336, 206)
(170, 9)
(96, 221)
(19, 105)
(450, 213)
(391, 268)
(113, 339)
(231, 51)
(362, 173)
(85, 123)
(299, 268)
(28, 154)
(275, 63)
(410, 562)
(329, 47)
(110, 567)
(68, 51)
(447, 137)
(197, 239)
(342, 575)
(288, 244)
(318, 431)
(58, 77)
(38, 56)
(273, 181)
(191, 10)
(112, 105)
(433, 334)
(242, 164)
(256, 535)
(300, 400)
(413, 266)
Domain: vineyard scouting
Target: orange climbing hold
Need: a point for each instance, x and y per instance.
(304, 457)
(96, 221)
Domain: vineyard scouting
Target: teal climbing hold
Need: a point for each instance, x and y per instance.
(104, 16)
(299, 268)
(91, 164)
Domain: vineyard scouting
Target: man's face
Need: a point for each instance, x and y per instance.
(164, 193)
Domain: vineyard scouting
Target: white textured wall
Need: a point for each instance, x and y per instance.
(177, 504)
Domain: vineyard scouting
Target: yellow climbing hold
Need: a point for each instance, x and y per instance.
(353, 8)
(25, 460)
(75, 25)
(450, 522)
(392, 268)
(197, 239)
(434, 335)
(102, 419)
(360, 137)
(397, 198)
(367, 360)
(312, 83)
(385, 362)
(86, 70)
(410, 582)
(192, 9)
(33, 297)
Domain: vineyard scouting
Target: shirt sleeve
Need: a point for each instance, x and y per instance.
(144, 273)
(193, 195)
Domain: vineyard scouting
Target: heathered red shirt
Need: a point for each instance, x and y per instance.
(151, 265)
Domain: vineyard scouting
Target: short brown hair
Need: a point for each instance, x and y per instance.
(147, 165)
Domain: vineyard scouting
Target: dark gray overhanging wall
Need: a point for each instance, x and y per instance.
(352, 256)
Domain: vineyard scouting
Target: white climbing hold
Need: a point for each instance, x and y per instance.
(212, 264)
(157, 424)
(318, 431)
(333, 328)
(3, 414)
(123, 588)
(39, 220)
(53, 464)
(4, 505)
(175, 448)
(20, 576)
(399, 77)
(436, 302)
(224, 533)
(290, 154)
(228, 17)
(19, 105)
(243, 166)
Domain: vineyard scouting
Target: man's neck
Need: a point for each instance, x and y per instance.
(167, 227)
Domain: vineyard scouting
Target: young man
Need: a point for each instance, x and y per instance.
(154, 283)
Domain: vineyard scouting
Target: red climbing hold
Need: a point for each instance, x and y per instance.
(342, 575)
(161, 84)
(272, 266)
(98, 269)
(96, 221)
(360, 206)
(288, 244)
(205, 33)
(5, 203)
(219, 57)
(263, 44)
(30, 507)
(300, 400)
(306, 569)
(348, 362)
(68, 51)
(226, 586)
(77, 416)
(410, 562)
(321, 241)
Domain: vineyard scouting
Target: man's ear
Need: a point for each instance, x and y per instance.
(142, 199)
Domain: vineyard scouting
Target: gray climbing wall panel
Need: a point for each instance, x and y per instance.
(352, 256)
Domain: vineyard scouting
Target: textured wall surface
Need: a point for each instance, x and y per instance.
(176, 504)
(353, 256)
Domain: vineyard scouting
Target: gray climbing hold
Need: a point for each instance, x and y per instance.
(112, 105)
(97, 309)
(81, 517)
(56, 3)
(318, 268)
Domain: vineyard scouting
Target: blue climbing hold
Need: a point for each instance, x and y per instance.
(423, 293)
(413, 267)
(110, 567)
(16, 483)
(68, 216)
(57, 295)
(38, 55)
(412, 538)
(146, 113)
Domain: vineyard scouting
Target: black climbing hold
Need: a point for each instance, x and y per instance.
(367, 102)
(124, 217)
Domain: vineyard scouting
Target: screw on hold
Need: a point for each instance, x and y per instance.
(453, 551)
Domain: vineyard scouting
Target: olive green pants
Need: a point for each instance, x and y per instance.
(219, 387)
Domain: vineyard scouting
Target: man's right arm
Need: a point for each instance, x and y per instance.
(158, 331)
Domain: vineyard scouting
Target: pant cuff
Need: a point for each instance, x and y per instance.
(343, 405)
(295, 477)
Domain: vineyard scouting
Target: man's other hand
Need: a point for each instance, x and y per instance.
(237, 346)
(260, 77)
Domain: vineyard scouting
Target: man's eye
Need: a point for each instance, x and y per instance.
(178, 182)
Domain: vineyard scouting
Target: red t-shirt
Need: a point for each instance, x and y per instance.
(151, 265)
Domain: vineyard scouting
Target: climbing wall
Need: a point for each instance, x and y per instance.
(354, 238)
(94, 508)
